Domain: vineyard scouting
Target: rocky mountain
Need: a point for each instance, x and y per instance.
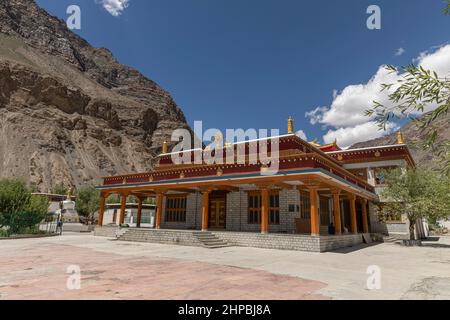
(69, 112)
(413, 137)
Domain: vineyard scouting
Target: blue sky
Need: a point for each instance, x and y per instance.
(251, 64)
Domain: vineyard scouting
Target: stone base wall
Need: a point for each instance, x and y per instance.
(290, 241)
(177, 237)
(106, 231)
(246, 239)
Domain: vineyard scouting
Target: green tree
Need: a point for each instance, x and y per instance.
(87, 202)
(19, 209)
(417, 194)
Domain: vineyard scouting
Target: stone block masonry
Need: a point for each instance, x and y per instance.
(243, 239)
(290, 241)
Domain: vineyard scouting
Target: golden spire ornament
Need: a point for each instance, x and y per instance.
(400, 139)
(290, 125)
(164, 147)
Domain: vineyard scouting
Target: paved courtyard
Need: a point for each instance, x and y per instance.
(37, 269)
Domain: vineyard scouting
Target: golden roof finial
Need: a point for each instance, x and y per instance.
(164, 147)
(400, 139)
(291, 125)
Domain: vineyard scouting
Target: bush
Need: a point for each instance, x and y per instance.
(87, 203)
(19, 209)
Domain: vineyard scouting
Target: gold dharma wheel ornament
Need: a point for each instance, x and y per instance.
(219, 172)
(377, 154)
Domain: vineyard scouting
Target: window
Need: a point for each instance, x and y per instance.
(274, 208)
(176, 209)
(254, 207)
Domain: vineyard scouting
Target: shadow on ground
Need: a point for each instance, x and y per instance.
(355, 248)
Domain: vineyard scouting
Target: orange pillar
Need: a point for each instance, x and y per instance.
(159, 207)
(205, 211)
(364, 216)
(314, 199)
(265, 203)
(123, 204)
(337, 211)
(139, 213)
(353, 222)
(101, 210)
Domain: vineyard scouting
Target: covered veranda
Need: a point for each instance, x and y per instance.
(313, 182)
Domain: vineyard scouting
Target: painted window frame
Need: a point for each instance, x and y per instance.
(254, 212)
(175, 210)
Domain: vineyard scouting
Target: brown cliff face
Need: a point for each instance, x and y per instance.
(70, 113)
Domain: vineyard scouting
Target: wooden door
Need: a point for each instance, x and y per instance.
(217, 214)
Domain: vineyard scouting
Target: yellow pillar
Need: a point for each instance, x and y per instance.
(205, 211)
(353, 222)
(123, 204)
(101, 210)
(159, 207)
(265, 203)
(337, 211)
(139, 213)
(314, 200)
(364, 216)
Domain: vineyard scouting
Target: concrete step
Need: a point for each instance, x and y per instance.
(210, 240)
(389, 239)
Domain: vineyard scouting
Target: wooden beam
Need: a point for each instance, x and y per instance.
(227, 188)
(314, 202)
(265, 203)
(337, 210)
(123, 204)
(184, 190)
(159, 205)
(353, 221)
(205, 211)
(364, 216)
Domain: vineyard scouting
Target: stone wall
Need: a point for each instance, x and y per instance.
(290, 242)
(177, 237)
(245, 239)
(106, 231)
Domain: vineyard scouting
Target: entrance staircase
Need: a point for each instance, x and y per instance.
(389, 239)
(210, 240)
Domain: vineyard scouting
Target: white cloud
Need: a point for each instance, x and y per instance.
(348, 136)
(301, 134)
(399, 52)
(114, 7)
(346, 114)
(438, 61)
